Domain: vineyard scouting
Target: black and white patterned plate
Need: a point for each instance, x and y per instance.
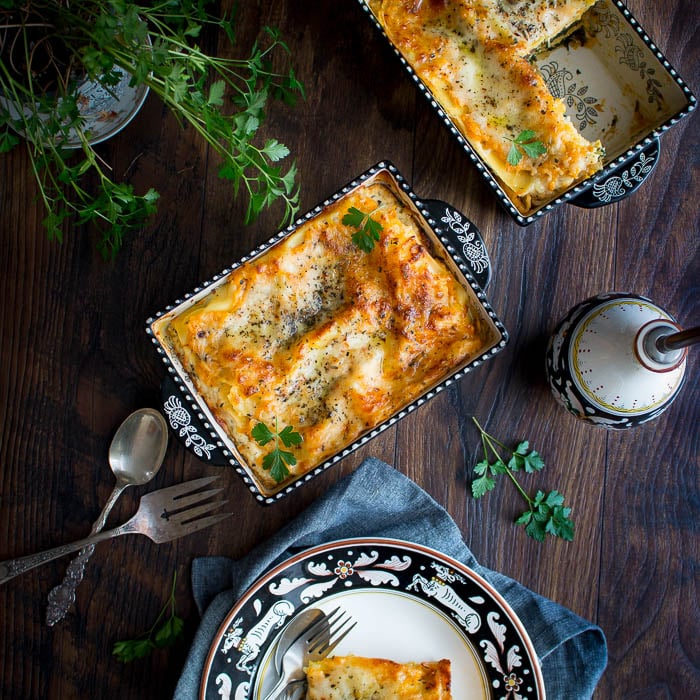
(411, 603)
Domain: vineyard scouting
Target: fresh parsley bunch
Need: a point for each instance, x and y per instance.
(277, 461)
(546, 513)
(158, 45)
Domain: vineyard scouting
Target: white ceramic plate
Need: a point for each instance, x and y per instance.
(410, 602)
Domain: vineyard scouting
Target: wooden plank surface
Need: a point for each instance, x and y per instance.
(75, 360)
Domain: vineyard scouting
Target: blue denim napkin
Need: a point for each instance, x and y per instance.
(378, 501)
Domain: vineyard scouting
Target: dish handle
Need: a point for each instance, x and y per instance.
(189, 426)
(464, 236)
(623, 181)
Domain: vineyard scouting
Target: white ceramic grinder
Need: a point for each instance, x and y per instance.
(617, 360)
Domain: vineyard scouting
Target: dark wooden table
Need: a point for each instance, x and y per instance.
(75, 360)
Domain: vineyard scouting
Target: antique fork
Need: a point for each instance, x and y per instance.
(162, 516)
(315, 643)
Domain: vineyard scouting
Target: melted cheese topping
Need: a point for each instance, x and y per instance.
(473, 56)
(321, 336)
(358, 678)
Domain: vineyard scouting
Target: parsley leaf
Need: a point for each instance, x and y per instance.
(525, 143)
(262, 434)
(275, 150)
(546, 513)
(290, 437)
(158, 637)
(216, 93)
(484, 483)
(8, 140)
(368, 229)
(277, 461)
(525, 459)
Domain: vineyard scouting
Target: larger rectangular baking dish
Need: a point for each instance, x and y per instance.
(617, 87)
(451, 238)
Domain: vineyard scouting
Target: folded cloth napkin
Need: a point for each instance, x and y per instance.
(378, 501)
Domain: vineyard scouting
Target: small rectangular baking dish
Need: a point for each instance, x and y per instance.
(452, 238)
(617, 87)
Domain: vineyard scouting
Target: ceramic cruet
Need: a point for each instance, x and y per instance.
(607, 362)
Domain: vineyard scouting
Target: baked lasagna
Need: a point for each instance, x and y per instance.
(323, 339)
(359, 678)
(474, 57)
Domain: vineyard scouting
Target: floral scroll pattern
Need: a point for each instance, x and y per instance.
(619, 185)
(322, 576)
(473, 247)
(502, 659)
(560, 82)
(180, 420)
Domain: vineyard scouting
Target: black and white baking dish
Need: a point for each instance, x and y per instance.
(617, 87)
(453, 237)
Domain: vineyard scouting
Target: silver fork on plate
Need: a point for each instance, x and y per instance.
(162, 516)
(315, 643)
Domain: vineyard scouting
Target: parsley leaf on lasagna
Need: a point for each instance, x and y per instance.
(277, 461)
(368, 229)
(525, 143)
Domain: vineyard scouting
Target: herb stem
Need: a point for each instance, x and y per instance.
(489, 440)
(546, 513)
(172, 593)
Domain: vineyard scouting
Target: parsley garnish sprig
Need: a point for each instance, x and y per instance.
(158, 637)
(546, 513)
(368, 229)
(276, 462)
(525, 143)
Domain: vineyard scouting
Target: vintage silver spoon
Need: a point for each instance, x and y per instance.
(135, 455)
(298, 626)
(315, 643)
(294, 629)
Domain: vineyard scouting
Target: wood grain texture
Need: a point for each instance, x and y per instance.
(75, 360)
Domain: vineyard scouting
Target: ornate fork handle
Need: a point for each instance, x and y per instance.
(62, 596)
(13, 567)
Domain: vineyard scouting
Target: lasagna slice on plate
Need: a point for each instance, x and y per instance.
(360, 678)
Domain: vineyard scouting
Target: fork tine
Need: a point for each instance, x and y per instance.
(194, 525)
(322, 636)
(321, 627)
(324, 643)
(186, 516)
(182, 502)
(182, 489)
(329, 648)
